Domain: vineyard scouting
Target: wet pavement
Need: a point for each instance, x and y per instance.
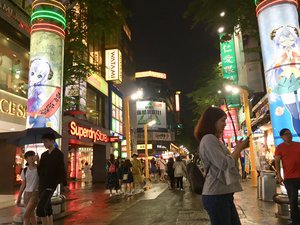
(91, 204)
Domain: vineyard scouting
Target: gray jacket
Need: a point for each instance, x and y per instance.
(223, 176)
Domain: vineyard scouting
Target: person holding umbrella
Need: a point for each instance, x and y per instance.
(52, 172)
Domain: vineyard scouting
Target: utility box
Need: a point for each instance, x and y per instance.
(268, 184)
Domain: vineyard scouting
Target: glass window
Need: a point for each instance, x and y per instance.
(14, 66)
(95, 107)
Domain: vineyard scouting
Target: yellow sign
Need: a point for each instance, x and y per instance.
(151, 74)
(113, 64)
(12, 108)
(140, 147)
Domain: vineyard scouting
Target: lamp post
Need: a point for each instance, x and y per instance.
(245, 95)
(151, 123)
(134, 96)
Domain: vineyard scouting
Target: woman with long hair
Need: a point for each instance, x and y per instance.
(222, 176)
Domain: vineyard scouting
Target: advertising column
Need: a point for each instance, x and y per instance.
(279, 35)
(46, 64)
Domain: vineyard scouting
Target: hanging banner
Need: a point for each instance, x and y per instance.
(280, 44)
(229, 67)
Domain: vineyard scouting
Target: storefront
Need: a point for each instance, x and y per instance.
(14, 64)
(84, 142)
(263, 139)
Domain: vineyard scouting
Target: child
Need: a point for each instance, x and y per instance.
(29, 186)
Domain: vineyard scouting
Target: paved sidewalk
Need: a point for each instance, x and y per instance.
(91, 204)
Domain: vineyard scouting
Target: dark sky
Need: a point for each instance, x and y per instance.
(163, 41)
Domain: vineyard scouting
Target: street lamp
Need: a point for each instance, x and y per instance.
(151, 123)
(221, 30)
(134, 96)
(245, 95)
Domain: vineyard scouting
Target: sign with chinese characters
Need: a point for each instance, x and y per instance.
(229, 67)
(147, 111)
(156, 136)
(229, 129)
(113, 65)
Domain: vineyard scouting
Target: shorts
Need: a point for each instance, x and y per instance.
(44, 207)
(31, 197)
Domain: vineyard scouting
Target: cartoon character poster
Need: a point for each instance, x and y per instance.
(280, 41)
(45, 80)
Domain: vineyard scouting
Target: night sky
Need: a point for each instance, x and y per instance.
(164, 41)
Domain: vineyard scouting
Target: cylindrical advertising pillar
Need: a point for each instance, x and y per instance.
(280, 43)
(46, 64)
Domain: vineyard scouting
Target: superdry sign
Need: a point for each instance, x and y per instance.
(83, 132)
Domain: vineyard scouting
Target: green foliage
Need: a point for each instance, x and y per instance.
(206, 93)
(88, 21)
(237, 12)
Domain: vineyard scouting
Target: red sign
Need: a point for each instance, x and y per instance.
(113, 139)
(228, 130)
(95, 135)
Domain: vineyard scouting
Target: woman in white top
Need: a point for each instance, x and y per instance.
(29, 186)
(222, 178)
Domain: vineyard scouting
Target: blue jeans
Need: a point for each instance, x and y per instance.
(292, 186)
(221, 209)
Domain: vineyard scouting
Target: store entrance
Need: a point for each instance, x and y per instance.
(99, 161)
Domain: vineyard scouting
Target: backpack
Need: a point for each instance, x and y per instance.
(112, 168)
(196, 178)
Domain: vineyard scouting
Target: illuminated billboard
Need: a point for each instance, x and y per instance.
(113, 65)
(46, 66)
(147, 111)
(151, 74)
(280, 44)
(116, 113)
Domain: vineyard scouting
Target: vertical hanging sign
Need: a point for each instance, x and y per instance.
(229, 67)
(280, 44)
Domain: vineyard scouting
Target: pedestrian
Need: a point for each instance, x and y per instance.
(162, 167)
(86, 170)
(112, 175)
(127, 177)
(120, 163)
(153, 169)
(179, 172)
(137, 171)
(30, 182)
(170, 171)
(289, 153)
(222, 175)
(52, 171)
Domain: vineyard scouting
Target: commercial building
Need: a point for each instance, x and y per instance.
(157, 104)
(14, 63)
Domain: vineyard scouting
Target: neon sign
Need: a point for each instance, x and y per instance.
(90, 133)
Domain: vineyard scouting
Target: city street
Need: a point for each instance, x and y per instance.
(90, 204)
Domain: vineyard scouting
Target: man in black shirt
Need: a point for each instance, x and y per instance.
(51, 172)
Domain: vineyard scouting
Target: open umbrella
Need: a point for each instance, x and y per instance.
(30, 136)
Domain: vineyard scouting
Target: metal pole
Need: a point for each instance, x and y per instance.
(146, 151)
(253, 171)
(127, 127)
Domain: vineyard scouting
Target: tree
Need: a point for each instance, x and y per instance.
(88, 21)
(206, 93)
